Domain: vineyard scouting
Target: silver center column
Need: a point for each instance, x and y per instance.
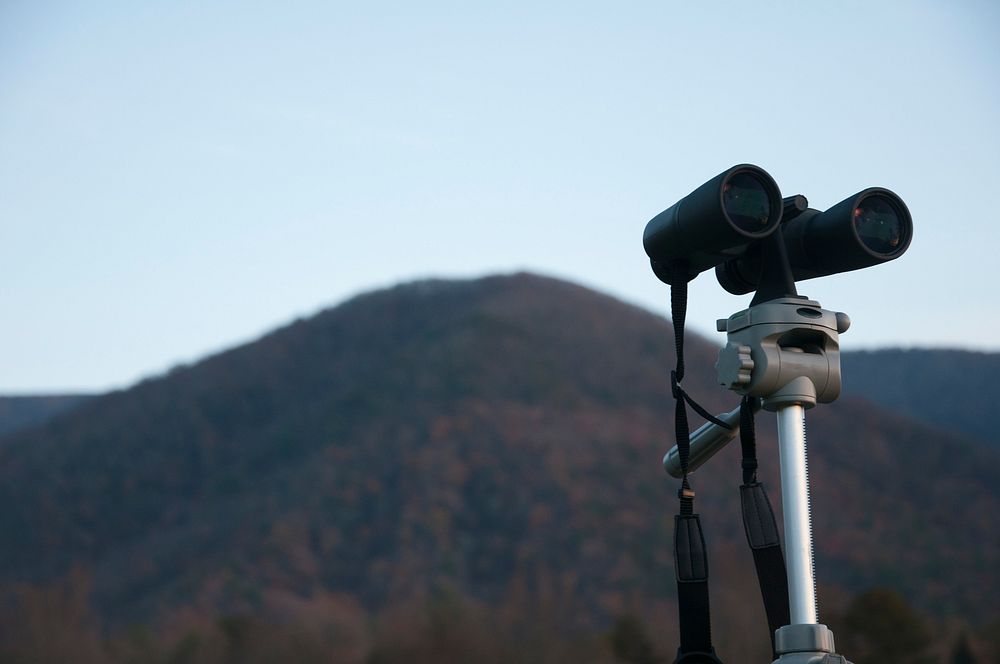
(795, 508)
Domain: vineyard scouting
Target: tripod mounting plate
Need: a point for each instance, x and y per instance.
(785, 351)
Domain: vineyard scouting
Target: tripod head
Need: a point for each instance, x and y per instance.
(785, 350)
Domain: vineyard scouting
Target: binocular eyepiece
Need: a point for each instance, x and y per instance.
(721, 223)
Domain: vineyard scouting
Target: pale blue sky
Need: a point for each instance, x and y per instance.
(177, 177)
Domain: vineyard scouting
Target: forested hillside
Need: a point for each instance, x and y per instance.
(24, 412)
(496, 441)
(955, 390)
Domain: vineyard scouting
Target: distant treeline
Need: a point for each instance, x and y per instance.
(54, 625)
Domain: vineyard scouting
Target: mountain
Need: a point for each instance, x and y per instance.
(954, 390)
(22, 412)
(466, 435)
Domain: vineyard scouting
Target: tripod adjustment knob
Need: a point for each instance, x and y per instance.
(734, 366)
(843, 322)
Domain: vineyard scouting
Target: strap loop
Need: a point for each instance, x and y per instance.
(698, 408)
(678, 393)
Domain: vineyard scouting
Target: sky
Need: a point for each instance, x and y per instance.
(180, 177)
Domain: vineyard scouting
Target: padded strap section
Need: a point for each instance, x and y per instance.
(762, 534)
(758, 517)
(690, 561)
(691, 567)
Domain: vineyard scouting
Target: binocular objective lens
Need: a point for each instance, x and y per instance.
(878, 225)
(746, 202)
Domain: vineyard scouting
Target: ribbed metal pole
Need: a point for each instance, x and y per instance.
(795, 508)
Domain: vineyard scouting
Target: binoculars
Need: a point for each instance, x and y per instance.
(721, 224)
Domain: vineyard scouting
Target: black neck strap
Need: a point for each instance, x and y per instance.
(690, 559)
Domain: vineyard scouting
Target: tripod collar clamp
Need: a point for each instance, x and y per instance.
(813, 638)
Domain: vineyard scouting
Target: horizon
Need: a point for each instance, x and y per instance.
(252, 338)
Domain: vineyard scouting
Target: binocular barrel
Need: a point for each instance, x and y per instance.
(715, 222)
(871, 227)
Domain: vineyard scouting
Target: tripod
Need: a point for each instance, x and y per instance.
(782, 353)
(787, 352)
